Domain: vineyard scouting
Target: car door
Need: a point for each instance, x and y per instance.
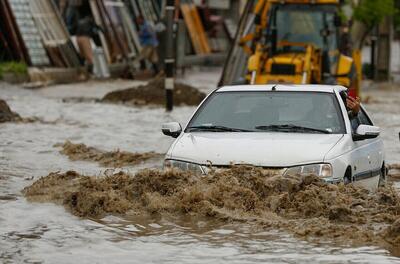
(368, 152)
(375, 145)
(358, 150)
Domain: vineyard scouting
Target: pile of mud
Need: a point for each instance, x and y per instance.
(115, 159)
(394, 172)
(6, 115)
(154, 94)
(305, 206)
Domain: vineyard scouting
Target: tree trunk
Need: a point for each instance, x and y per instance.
(359, 33)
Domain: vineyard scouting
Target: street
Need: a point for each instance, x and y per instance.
(46, 232)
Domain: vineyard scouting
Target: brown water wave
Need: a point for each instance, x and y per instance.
(115, 159)
(394, 172)
(305, 206)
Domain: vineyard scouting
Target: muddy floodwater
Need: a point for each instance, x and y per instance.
(37, 232)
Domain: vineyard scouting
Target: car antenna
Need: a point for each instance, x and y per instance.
(274, 87)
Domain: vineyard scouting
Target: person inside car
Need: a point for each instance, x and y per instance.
(353, 106)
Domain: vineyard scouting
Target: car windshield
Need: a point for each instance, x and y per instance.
(297, 112)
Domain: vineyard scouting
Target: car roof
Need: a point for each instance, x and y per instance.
(283, 87)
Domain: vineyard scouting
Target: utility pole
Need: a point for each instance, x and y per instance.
(170, 55)
(374, 38)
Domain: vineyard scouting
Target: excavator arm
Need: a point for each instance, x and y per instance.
(260, 18)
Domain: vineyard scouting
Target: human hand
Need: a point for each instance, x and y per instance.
(353, 104)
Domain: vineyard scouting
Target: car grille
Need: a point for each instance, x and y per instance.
(274, 170)
(283, 69)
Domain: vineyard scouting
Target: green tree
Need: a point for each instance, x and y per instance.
(370, 13)
(396, 17)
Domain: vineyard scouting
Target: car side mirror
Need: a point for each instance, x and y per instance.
(172, 129)
(366, 132)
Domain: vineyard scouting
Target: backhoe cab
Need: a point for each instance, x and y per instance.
(293, 42)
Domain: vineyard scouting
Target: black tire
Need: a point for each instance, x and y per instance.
(346, 180)
(382, 177)
(347, 176)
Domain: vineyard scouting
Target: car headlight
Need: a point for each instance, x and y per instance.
(184, 166)
(321, 170)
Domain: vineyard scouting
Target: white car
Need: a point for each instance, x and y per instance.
(299, 129)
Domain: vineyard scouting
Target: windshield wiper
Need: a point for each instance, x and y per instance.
(217, 129)
(288, 128)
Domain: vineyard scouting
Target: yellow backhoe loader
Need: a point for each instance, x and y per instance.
(293, 42)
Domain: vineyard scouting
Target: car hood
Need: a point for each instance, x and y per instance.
(258, 149)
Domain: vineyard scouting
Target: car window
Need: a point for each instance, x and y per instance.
(248, 110)
(364, 119)
(360, 119)
(355, 122)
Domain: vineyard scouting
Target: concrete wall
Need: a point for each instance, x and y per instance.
(395, 61)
